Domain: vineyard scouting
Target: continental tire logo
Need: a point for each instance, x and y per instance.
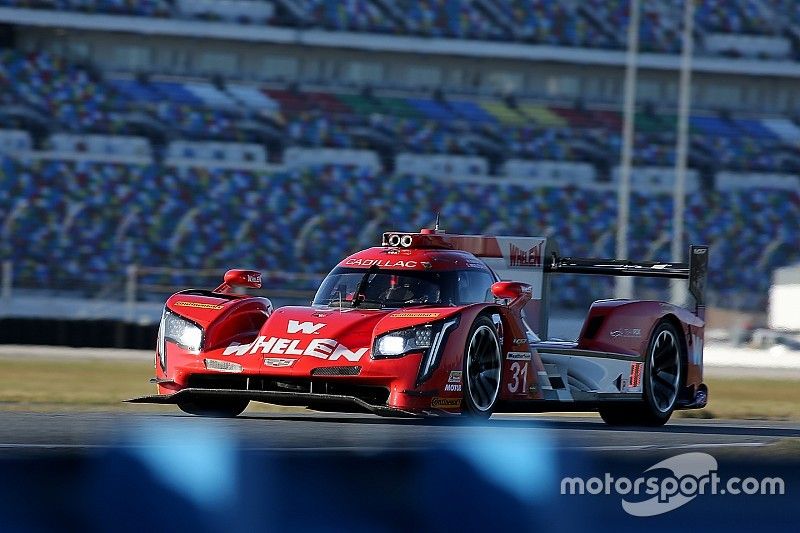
(197, 305)
(445, 403)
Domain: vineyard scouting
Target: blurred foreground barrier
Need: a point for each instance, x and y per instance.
(208, 484)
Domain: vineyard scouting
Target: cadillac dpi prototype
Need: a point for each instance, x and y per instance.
(432, 323)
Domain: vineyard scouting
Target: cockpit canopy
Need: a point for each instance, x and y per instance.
(384, 288)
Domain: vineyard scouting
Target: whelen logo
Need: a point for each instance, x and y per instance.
(321, 348)
(520, 258)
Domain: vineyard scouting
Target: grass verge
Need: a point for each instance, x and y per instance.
(750, 399)
(62, 384)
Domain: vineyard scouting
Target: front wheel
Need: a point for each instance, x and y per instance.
(482, 366)
(663, 370)
(214, 407)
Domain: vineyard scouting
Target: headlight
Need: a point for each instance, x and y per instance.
(403, 341)
(428, 338)
(182, 332)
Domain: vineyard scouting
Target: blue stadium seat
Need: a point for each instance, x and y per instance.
(176, 92)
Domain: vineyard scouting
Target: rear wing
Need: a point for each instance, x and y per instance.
(695, 271)
(533, 260)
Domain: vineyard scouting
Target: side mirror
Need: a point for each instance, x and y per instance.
(513, 290)
(243, 278)
(240, 278)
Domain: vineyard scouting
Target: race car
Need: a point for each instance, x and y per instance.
(430, 323)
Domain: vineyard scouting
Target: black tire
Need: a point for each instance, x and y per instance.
(483, 364)
(662, 380)
(214, 407)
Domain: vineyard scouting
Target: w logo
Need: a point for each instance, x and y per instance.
(307, 328)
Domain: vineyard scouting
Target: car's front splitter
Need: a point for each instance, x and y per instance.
(302, 399)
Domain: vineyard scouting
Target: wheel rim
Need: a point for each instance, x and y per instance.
(665, 370)
(483, 368)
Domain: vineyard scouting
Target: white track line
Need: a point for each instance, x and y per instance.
(640, 447)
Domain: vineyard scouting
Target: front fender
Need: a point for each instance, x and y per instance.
(224, 318)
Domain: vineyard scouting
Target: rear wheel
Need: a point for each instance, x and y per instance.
(661, 383)
(482, 366)
(214, 407)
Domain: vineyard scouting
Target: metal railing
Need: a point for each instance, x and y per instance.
(131, 293)
(126, 292)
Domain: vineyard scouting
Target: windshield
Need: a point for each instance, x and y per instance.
(400, 288)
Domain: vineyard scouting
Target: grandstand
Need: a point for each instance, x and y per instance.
(767, 28)
(257, 150)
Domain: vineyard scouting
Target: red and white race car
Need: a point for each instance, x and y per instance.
(433, 323)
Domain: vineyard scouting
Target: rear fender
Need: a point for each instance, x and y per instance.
(622, 326)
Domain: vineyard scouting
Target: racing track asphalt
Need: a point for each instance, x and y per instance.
(329, 457)
(73, 431)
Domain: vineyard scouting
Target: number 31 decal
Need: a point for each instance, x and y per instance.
(519, 377)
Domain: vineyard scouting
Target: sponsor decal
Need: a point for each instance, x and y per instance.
(382, 263)
(197, 305)
(518, 356)
(415, 315)
(455, 376)
(222, 366)
(253, 278)
(328, 349)
(635, 381)
(627, 333)
(308, 328)
(525, 257)
(445, 403)
(522, 259)
(517, 342)
(279, 362)
(452, 387)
